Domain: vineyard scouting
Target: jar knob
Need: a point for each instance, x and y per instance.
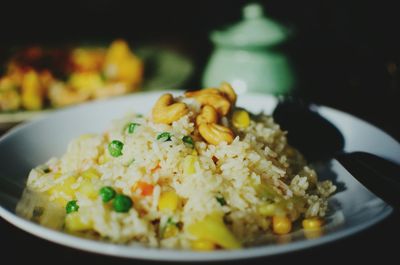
(253, 11)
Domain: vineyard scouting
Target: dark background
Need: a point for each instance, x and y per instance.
(346, 54)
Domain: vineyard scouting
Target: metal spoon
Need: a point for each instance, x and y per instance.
(320, 140)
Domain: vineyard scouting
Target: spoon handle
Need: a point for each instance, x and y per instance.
(380, 176)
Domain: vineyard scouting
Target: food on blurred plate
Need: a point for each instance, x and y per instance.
(196, 173)
(36, 78)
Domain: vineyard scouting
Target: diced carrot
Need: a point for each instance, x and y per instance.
(153, 170)
(145, 188)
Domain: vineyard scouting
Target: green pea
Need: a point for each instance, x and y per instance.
(72, 206)
(115, 148)
(165, 136)
(122, 203)
(107, 194)
(188, 140)
(132, 126)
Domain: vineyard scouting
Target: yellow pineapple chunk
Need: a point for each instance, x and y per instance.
(189, 164)
(63, 189)
(213, 229)
(75, 223)
(88, 189)
(168, 201)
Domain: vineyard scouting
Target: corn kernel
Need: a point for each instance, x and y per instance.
(74, 223)
(189, 165)
(267, 209)
(313, 223)
(281, 225)
(168, 201)
(202, 245)
(241, 119)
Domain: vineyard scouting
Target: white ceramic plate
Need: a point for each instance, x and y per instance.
(26, 146)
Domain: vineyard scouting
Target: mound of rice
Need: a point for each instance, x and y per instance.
(219, 196)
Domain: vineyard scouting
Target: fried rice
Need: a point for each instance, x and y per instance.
(185, 193)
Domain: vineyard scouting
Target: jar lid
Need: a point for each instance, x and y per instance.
(254, 30)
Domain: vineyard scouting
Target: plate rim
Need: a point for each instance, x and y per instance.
(147, 253)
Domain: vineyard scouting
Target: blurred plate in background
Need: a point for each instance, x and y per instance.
(163, 69)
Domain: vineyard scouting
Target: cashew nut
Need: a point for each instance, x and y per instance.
(221, 99)
(214, 133)
(166, 111)
(218, 101)
(207, 115)
(228, 91)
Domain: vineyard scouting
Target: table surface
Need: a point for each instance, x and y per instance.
(346, 55)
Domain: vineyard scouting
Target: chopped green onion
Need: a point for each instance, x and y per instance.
(71, 207)
(115, 148)
(188, 140)
(129, 163)
(221, 200)
(139, 115)
(107, 194)
(169, 222)
(122, 203)
(132, 126)
(165, 136)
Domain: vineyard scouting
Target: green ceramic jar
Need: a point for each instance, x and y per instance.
(246, 56)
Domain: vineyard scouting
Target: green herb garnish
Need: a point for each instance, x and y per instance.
(132, 126)
(220, 200)
(188, 140)
(167, 224)
(165, 136)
